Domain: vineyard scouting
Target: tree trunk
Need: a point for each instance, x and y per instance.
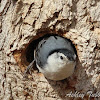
(24, 21)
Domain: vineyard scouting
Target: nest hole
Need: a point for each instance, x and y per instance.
(29, 54)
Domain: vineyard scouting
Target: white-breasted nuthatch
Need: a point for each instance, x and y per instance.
(55, 58)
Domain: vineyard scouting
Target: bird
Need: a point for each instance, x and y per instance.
(55, 57)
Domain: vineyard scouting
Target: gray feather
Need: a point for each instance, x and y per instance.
(49, 44)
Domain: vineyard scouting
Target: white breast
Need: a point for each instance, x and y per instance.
(56, 73)
(56, 68)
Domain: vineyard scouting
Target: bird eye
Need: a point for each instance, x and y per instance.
(61, 57)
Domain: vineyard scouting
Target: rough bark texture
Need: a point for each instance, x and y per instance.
(22, 21)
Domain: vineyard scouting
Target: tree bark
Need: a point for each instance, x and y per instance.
(23, 21)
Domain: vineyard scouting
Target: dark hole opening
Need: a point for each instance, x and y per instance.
(30, 50)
